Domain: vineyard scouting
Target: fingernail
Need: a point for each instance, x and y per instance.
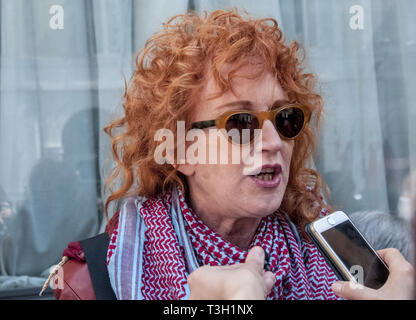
(336, 287)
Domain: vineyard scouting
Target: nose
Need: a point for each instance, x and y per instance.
(271, 140)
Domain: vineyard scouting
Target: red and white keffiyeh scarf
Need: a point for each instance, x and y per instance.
(159, 242)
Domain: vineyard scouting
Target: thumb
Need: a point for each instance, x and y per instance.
(255, 258)
(353, 291)
(269, 279)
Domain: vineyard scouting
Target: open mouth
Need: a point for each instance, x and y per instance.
(266, 174)
(269, 176)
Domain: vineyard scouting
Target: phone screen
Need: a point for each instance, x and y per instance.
(356, 254)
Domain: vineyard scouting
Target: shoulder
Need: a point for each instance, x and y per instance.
(126, 220)
(129, 209)
(128, 206)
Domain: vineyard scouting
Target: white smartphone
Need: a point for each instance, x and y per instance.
(347, 251)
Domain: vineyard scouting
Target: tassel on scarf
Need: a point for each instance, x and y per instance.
(54, 271)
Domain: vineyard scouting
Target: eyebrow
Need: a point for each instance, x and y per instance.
(246, 104)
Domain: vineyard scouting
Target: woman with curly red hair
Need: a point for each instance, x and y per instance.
(218, 229)
(203, 68)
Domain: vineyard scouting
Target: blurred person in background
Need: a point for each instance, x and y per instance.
(6, 211)
(383, 230)
(407, 201)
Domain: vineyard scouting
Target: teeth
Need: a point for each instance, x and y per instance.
(265, 176)
(267, 170)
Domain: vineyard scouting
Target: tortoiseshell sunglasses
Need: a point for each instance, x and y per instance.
(289, 121)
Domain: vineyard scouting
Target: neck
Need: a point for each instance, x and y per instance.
(237, 230)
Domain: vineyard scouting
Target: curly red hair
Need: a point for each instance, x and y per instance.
(170, 71)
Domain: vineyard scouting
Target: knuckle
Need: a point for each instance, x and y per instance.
(408, 269)
(395, 251)
(390, 252)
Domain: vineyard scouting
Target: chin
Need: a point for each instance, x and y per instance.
(262, 208)
(261, 202)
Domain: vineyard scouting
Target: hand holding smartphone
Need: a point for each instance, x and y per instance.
(346, 250)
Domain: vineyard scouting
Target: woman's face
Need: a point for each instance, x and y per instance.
(225, 189)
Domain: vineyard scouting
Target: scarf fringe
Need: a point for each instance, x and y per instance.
(54, 271)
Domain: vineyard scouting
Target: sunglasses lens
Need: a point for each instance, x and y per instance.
(290, 121)
(241, 126)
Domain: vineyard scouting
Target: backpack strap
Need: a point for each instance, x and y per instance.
(95, 250)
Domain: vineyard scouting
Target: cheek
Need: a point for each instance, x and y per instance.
(205, 174)
(287, 152)
(220, 181)
(219, 167)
